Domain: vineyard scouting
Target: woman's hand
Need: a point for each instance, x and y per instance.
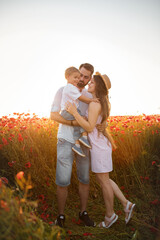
(95, 100)
(102, 126)
(71, 108)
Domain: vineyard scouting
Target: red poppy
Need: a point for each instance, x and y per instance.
(10, 164)
(4, 206)
(12, 135)
(20, 138)
(28, 165)
(146, 178)
(20, 175)
(78, 222)
(155, 202)
(87, 234)
(4, 141)
(41, 197)
(47, 182)
(154, 162)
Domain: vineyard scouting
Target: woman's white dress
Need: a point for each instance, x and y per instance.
(101, 152)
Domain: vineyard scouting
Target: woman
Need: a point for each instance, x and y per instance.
(101, 152)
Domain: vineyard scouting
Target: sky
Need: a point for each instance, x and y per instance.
(39, 39)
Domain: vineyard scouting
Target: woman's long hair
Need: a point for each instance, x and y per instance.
(102, 94)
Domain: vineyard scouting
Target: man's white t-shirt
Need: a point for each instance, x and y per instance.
(65, 131)
(71, 94)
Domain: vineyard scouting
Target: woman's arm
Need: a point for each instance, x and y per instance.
(93, 112)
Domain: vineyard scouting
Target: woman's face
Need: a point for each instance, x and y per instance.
(92, 86)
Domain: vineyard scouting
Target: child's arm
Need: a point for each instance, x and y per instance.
(87, 100)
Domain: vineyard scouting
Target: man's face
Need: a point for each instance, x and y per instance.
(85, 77)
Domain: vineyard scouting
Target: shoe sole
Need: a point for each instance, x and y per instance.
(103, 225)
(82, 155)
(85, 144)
(83, 224)
(130, 214)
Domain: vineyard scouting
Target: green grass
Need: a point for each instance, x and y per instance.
(28, 144)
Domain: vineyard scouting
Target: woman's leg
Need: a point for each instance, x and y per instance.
(118, 193)
(103, 179)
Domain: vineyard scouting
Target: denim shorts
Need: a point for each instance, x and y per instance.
(65, 157)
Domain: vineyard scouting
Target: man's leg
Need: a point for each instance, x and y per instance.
(62, 193)
(83, 193)
(63, 176)
(83, 166)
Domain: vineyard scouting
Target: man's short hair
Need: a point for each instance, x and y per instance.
(70, 70)
(88, 67)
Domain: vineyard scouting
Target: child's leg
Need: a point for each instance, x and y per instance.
(84, 139)
(77, 142)
(76, 134)
(77, 147)
(84, 134)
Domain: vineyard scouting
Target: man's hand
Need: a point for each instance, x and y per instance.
(102, 126)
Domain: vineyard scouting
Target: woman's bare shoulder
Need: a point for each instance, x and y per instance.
(95, 106)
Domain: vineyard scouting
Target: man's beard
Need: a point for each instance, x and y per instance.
(81, 84)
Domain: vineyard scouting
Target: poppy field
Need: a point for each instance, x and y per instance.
(28, 205)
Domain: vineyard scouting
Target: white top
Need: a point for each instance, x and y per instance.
(65, 131)
(70, 94)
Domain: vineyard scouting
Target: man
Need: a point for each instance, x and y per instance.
(65, 154)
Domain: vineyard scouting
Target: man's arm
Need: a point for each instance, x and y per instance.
(55, 116)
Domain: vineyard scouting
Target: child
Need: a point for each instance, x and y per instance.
(72, 94)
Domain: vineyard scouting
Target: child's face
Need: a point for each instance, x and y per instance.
(74, 78)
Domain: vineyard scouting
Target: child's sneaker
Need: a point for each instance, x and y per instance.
(78, 150)
(85, 142)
